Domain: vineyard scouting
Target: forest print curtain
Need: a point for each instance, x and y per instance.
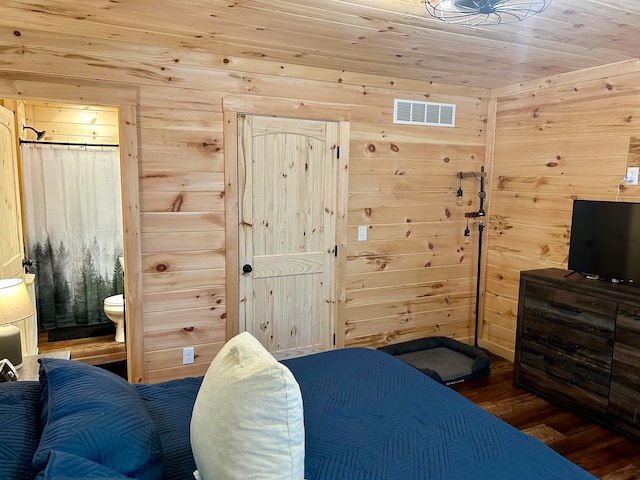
(73, 217)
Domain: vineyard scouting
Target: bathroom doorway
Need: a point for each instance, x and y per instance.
(14, 87)
(71, 191)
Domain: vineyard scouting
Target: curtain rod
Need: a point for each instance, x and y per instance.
(71, 144)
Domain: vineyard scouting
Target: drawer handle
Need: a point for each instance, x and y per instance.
(568, 308)
(555, 375)
(557, 342)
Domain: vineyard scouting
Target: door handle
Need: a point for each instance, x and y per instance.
(246, 268)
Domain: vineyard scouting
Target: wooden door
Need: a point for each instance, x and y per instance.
(11, 246)
(287, 170)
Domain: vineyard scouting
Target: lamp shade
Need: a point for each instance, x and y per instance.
(15, 303)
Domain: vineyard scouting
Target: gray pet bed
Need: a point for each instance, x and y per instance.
(444, 359)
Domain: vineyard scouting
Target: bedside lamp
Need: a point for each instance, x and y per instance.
(15, 305)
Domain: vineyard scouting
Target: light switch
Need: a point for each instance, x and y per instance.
(362, 233)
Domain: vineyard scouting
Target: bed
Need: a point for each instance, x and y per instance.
(367, 415)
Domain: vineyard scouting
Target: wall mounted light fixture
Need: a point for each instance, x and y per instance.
(460, 193)
(39, 133)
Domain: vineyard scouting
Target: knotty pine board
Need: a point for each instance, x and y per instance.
(412, 177)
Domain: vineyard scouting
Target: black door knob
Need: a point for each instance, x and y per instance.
(246, 268)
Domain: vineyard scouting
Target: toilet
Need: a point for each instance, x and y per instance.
(114, 310)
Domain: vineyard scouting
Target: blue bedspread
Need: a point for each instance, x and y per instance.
(367, 416)
(370, 416)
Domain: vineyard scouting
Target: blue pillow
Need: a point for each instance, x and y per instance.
(170, 405)
(20, 424)
(94, 414)
(64, 466)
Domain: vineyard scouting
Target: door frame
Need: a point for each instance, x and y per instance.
(41, 87)
(234, 106)
(14, 269)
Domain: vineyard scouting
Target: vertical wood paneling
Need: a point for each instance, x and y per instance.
(482, 280)
(132, 249)
(231, 219)
(342, 208)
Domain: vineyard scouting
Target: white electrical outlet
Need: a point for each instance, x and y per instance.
(362, 233)
(632, 176)
(188, 355)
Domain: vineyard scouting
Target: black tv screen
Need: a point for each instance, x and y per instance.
(605, 240)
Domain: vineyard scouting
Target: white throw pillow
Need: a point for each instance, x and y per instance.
(247, 420)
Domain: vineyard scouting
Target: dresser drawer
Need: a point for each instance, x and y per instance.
(628, 326)
(624, 403)
(626, 350)
(569, 344)
(572, 304)
(574, 310)
(624, 396)
(572, 388)
(565, 368)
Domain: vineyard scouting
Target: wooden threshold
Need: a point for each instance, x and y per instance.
(91, 350)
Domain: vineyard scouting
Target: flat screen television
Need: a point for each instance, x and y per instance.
(605, 240)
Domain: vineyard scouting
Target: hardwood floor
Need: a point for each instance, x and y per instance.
(602, 452)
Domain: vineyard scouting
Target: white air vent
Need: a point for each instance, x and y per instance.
(424, 113)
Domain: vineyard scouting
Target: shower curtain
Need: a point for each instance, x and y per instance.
(73, 216)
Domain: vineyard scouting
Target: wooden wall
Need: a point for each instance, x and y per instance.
(558, 139)
(81, 123)
(413, 277)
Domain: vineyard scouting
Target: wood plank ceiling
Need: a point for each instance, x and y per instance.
(389, 37)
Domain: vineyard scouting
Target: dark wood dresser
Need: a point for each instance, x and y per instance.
(578, 344)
